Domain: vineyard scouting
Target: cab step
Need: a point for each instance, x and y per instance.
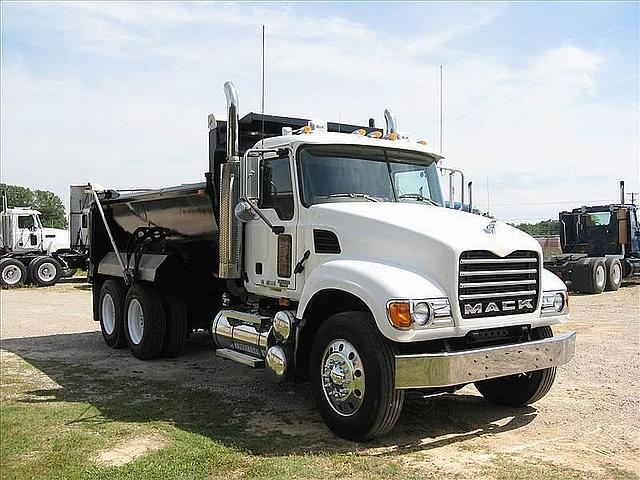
(240, 357)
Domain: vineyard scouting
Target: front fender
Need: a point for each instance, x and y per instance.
(373, 283)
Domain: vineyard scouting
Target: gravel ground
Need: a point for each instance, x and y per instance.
(590, 421)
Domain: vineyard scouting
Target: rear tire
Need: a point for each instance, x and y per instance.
(349, 347)
(110, 310)
(45, 271)
(13, 273)
(598, 272)
(175, 339)
(520, 389)
(145, 321)
(614, 274)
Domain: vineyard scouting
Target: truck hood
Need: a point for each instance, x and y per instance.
(406, 223)
(54, 239)
(421, 238)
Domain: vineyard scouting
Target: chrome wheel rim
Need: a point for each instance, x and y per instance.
(46, 272)
(11, 274)
(617, 274)
(343, 379)
(108, 314)
(135, 321)
(600, 276)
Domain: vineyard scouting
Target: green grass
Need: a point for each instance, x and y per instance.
(53, 432)
(56, 425)
(506, 467)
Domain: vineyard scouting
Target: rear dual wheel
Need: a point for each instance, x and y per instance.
(151, 324)
(111, 313)
(145, 322)
(13, 273)
(614, 274)
(45, 271)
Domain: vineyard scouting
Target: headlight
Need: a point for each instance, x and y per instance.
(427, 313)
(422, 313)
(554, 303)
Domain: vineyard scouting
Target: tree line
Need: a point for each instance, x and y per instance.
(543, 228)
(46, 202)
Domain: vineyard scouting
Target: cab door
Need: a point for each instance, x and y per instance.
(28, 235)
(269, 257)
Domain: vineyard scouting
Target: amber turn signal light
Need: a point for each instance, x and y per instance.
(400, 314)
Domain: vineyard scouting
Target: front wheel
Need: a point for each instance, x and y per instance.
(353, 377)
(523, 388)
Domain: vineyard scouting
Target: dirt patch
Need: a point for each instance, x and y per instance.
(589, 421)
(131, 449)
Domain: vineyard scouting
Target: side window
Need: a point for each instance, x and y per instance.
(277, 189)
(25, 221)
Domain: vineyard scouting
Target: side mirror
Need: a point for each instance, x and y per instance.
(33, 228)
(251, 175)
(244, 212)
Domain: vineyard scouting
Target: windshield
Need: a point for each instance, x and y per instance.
(597, 219)
(331, 173)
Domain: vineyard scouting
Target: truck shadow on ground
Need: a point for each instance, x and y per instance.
(234, 405)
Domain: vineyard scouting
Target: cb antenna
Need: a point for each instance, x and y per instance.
(440, 109)
(262, 102)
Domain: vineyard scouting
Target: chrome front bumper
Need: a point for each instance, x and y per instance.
(456, 368)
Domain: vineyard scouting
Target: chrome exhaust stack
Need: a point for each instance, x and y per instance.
(391, 123)
(621, 192)
(232, 121)
(470, 185)
(230, 229)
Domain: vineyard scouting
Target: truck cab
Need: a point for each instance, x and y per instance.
(31, 252)
(325, 253)
(600, 246)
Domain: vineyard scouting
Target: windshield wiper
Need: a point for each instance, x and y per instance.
(353, 195)
(417, 196)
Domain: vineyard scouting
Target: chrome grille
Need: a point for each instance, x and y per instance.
(491, 286)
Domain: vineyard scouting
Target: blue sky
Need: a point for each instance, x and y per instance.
(541, 99)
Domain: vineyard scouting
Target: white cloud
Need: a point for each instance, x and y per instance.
(132, 111)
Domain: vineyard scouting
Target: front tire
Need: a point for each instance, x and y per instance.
(145, 322)
(45, 271)
(353, 377)
(110, 310)
(521, 389)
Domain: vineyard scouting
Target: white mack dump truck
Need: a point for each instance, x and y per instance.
(323, 252)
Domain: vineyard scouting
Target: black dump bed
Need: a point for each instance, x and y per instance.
(172, 221)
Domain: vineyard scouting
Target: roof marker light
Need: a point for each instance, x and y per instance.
(375, 134)
(359, 131)
(422, 142)
(393, 136)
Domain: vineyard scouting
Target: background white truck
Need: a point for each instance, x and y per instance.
(31, 252)
(323, 252)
